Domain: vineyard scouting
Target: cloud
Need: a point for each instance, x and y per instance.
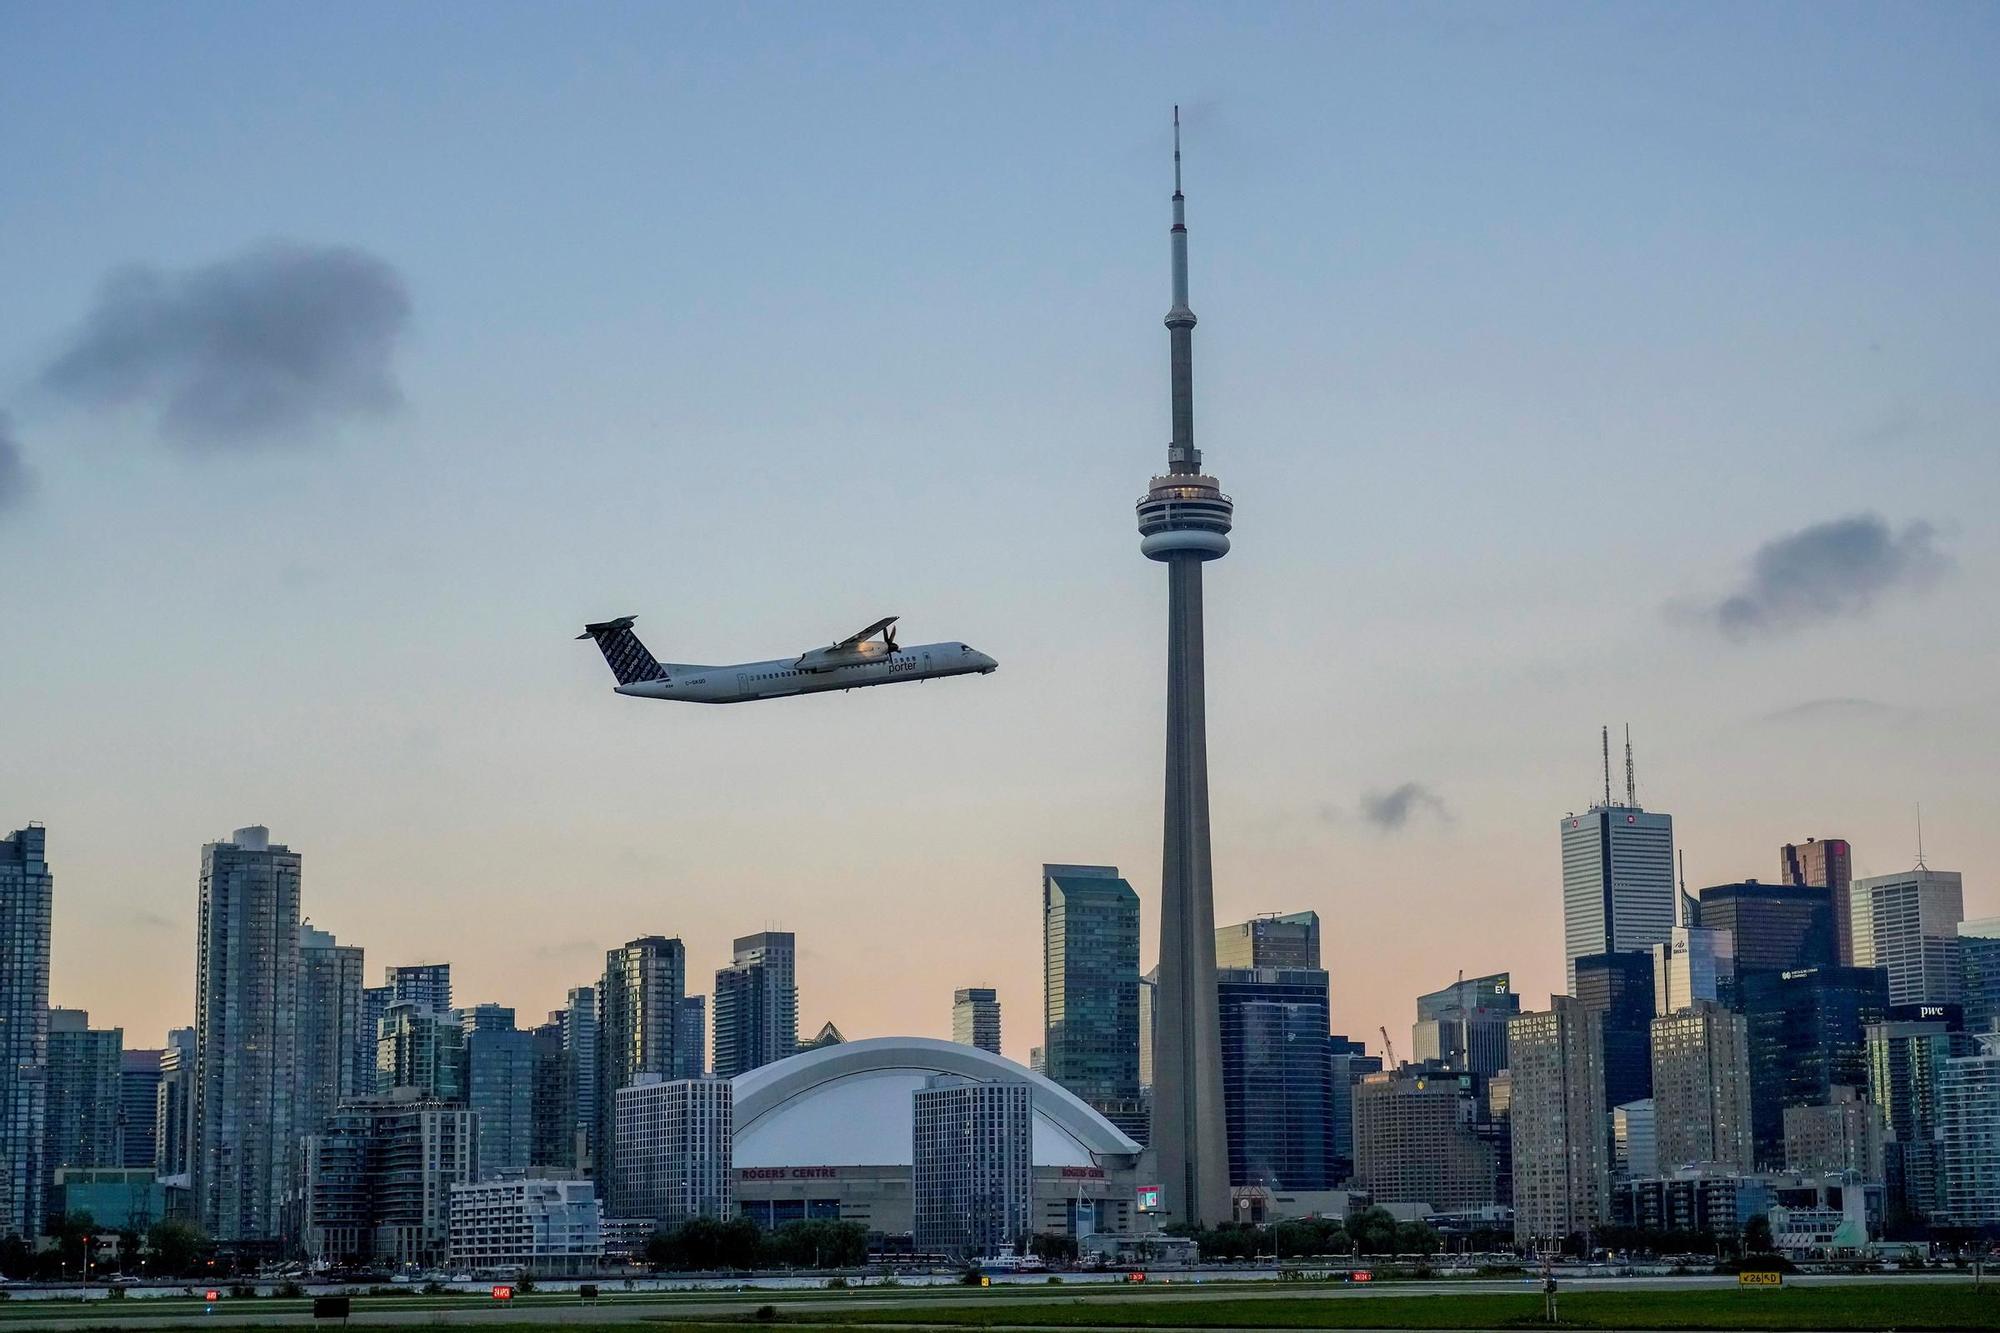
(152, 920)
(1829, 571)
(1391, 810)
(15, 480)
(259, 347)
(1839, 709)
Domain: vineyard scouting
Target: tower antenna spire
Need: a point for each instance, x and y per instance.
(1177, 150)
(1606, 730)
(1920, 837)
(1631, 787)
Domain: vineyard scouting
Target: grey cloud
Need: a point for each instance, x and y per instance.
(14, 478)
(152, 920)
(253, 348)
(1829, 571)
(1837, 710)
(1391, 810)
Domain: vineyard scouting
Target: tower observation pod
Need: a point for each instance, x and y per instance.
(1184, 521)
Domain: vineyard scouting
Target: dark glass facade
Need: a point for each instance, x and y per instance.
(1777, 927)
(1090, 950)
(1619, 987)
(1807, 1037)
(1979, 974)
(1277, 1089)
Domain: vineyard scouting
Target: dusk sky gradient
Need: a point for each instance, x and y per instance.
(1568, 365)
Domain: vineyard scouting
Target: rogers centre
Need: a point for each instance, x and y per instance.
(827, 1134)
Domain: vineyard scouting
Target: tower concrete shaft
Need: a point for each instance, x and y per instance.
(1184, 521)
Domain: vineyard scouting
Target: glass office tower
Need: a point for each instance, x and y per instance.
(1090, 989)
(1807, 1037)
(1277, 1090)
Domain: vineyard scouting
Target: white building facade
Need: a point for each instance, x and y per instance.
(550, 1228)
(1908, 923)
(1618, 882)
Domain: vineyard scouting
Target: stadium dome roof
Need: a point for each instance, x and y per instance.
(849, 1105)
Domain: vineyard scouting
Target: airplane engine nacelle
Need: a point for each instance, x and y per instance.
(826, 659)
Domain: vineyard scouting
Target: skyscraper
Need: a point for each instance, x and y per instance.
(975, 1017)
(83, 1120)
(1465, 1024)
(1979, 973)
(1618, 988)
(691, 1041)
(1772, 927)
(1908, 923)
(638, 1022)
(1695, 963)
(26, 892)
(500, 1089)
(1806, 1039)
(426, 985)
(1906, 1061)
(173, 1109)
(1347, 1063)
(421, 1051)
(1417, 1140)
(1562, 1177)
(672, 1149)
(1618, 876)
(1969, 1119)
(1825, 863)
(1090, 988)
(246, 1034)
(1277, 1091)
(139, 1106)
(375, 1001)
(579, 1070)
(757, 1004)
(1270, 941)
(1701, 1088)
(972, 1166)
(1184, 521)
(329, 1069)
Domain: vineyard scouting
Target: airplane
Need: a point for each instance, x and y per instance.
(857, 660)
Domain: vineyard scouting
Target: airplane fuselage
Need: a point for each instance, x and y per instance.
(745, 681)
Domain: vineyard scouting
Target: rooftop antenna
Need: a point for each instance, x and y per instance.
(1607, 765)
(1631, 789)
(1920, 837)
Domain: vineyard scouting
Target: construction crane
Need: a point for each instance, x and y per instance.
(1390, 1047)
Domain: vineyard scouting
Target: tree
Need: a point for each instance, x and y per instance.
(1416, 1238)
(817, 1243)
(176, 1247)
(1053, 1247)
(1374, 1231)
(1757, 1235)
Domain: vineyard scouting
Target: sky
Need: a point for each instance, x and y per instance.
(1570, 365)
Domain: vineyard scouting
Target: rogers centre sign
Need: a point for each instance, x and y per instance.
(786, 1173)
(1083, 1173)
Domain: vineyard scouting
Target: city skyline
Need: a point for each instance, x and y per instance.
(1534, 438)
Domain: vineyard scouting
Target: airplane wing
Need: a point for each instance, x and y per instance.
(869, 633)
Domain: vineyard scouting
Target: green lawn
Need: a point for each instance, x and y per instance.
(1903, 1306)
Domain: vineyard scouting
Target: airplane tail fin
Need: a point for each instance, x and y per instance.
(627, 657)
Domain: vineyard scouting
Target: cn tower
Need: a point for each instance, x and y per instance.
(1184, 522)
